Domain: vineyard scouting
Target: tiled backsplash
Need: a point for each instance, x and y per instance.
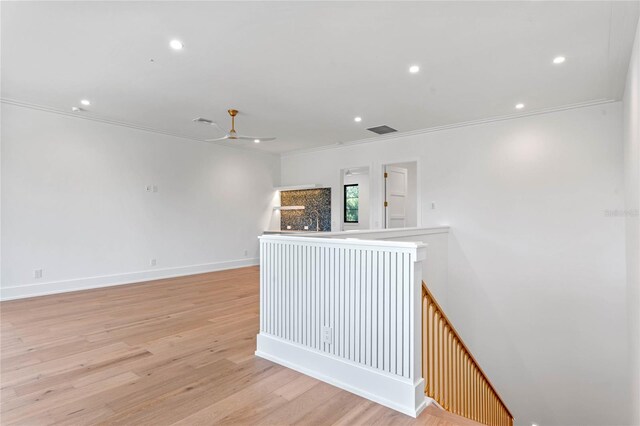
(317, 204)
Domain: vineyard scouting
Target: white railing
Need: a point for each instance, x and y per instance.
(347, 312)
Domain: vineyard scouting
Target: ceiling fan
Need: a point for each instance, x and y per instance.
(232, 135)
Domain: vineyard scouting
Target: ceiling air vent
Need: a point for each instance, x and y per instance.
(381, 130)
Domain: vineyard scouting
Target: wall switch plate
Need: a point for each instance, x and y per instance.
(148, 188)
(155, 188)
(246, 253)
(37, 273)
(153, 262)
(433, 206)
(327, 335)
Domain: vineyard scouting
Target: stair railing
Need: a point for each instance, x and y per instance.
(452, 376)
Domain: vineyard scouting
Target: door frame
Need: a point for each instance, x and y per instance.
(340, 193)
(382, 186)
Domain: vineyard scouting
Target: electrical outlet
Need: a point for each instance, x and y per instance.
(153, 262)
(37, 273)
(288, 226)
(327, 335)
(306, 227)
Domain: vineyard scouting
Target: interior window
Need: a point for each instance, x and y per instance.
(351, 202)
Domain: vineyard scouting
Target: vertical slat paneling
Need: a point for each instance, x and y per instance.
(368, 283)
(364, 294)
(375, 308)
(381, 307)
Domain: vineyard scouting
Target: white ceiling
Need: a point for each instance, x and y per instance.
(302, 71)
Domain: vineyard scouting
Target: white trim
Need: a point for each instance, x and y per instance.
(86, 283)
(334, 242)
(373, 234)
(88, 116)
(396, 393)
(445, 127)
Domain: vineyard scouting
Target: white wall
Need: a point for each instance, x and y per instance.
(74, 203)
(364, 203)
(631, 130)
(536, 268)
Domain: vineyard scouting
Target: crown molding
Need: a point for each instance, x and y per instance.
(388, 136)
(86, 115)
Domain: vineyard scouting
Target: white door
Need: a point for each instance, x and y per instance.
(395, 191)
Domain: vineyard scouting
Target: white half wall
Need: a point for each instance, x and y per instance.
(346, 311)
(631, 125)
(74, 204)
(536, 282)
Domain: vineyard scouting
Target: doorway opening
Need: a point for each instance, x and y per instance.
(355, 197)
(400, 193)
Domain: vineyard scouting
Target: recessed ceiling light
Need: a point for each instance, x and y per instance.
(256, 141)
(85, 102)
(357, 119)
(559, 59)
(176, 44)
(414, 69)
(519, 106)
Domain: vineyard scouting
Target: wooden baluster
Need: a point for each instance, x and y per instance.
(450, 367)
(441, 356)
(425, 340)
(438, 358)
(445, 385)
(457, 378)
(473, 384)
(465, 400)
(468, 385)
(486, 403)
(472, 391)
(481, 403)
(452, 376)
(434, 351)
(474, 396)
(479, 400)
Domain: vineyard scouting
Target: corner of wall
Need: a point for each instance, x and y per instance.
(631, 132)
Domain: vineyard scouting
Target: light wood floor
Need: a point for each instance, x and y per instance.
(174, 351)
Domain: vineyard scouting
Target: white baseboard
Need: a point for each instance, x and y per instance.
(54, 287)
(394, 392)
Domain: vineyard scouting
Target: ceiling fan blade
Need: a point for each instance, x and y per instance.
(225, 137)
(253, 138)
(208, 122)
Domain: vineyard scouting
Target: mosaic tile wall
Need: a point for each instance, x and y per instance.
(313, 200)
